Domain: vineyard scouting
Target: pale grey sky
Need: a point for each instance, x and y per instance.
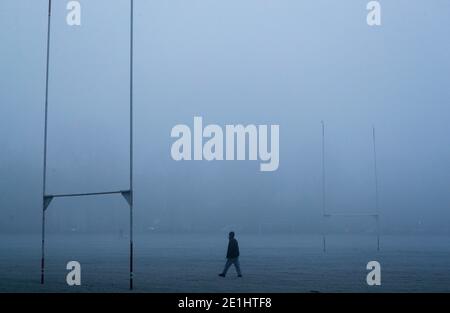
(287, 62)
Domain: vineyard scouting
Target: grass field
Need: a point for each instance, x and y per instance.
(190, 263)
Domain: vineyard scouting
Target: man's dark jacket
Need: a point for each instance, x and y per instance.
(233, 249)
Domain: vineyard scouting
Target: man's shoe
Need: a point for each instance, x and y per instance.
(222, 275)
(239, 275)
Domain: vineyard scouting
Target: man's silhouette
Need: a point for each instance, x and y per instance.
(232, 256)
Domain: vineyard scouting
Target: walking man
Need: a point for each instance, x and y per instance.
(232, 256)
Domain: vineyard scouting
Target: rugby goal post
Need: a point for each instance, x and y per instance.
(127, 194)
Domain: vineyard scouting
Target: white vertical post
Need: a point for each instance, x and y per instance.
(131, 140)
(377, 210)
(44, 182)
(323, 188)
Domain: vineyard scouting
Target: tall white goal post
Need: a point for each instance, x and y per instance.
(327, 215)
(127, 194)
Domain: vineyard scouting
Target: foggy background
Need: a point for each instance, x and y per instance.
(287, 62)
